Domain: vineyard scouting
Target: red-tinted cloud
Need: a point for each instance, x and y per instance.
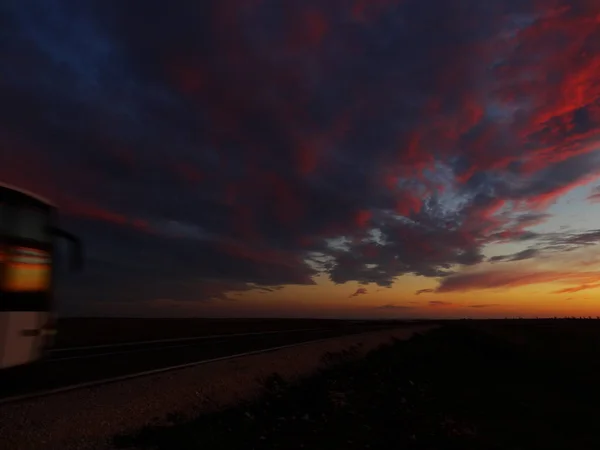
(22, 164)
(266, 128)
(362, 218)
(495, 279)
(407, 204)
(582, 287)
(189, 173)
(308, 29)
(93, 212)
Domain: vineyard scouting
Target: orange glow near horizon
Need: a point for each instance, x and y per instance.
(326, 299)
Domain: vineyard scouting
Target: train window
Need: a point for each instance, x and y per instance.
(26, 270)
(28, 223)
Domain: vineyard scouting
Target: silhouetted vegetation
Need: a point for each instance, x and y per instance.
(468, 385)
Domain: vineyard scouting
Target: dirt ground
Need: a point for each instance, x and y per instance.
(457, 387)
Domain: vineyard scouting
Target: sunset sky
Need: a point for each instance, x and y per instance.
(312, 158)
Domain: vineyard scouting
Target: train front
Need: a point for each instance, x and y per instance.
(27, 249)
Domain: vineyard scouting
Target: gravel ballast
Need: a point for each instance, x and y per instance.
(454, 388)
(88, 418)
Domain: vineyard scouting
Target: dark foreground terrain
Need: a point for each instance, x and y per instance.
(462, 386)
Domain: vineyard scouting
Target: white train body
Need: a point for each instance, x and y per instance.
(27, 252)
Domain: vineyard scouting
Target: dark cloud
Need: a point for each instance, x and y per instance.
(498, 258)
(489, 305)
(162, 266)
(270, 288)
(502, 278)
(519, 256)
(554, 242)
(219, 146)
(359, 291)
(424, 291)
(567, 241)
(527, 236)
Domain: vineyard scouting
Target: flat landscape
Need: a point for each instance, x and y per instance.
(75, 332)
(466, 385)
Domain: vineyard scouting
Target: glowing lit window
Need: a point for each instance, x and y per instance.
(26, 270)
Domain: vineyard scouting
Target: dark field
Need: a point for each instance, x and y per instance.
(74, 332)
(467, 385)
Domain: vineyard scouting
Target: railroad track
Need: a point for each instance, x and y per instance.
(79, 367)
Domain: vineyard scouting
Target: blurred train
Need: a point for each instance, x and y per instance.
(28, 244)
